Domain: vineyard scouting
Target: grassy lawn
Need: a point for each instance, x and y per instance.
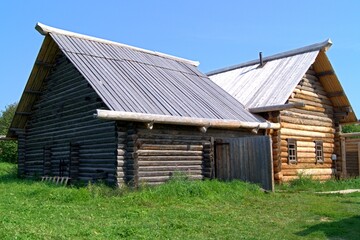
(177, 210)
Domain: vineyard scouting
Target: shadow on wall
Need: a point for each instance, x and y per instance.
(348, 228)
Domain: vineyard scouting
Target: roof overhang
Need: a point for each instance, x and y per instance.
(335, 92)
(185, 121)
(275, 108)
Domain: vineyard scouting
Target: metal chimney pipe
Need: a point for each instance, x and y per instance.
(261, 59)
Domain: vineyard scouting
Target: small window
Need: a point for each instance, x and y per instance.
(319, 151)
(292, 151)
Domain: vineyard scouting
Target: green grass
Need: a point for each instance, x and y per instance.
(180, 209)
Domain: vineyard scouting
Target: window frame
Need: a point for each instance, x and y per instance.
(292, 151)
(319, 158)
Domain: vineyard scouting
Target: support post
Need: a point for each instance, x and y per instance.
(343, 157)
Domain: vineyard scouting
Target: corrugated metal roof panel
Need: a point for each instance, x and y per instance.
(269, 85)
(131, 80)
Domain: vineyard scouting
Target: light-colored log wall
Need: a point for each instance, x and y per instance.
(63, 115)
(314, 122)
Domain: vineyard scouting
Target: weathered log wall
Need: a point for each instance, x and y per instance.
(21, 153)
(153, 156)
(314, 122)
(62, 136)
(352, 146)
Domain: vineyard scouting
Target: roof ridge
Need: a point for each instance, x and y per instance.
(325, 45)
(44, 30)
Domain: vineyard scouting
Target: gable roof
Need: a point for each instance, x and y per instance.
(272, 84)
(130, 79)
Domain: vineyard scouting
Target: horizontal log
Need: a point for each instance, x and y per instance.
(306, 115)
(284, 137)
(310, 160)
(308, 149)
(311, 89)
(169, 158)
(301, 133)
(169, 163)
(142, 174)
(284, 143)
(312, 103)
(354, 134)
(309, 172)
(303, 121)
(329, 115)
(187, 121)
(306, 166)
(171, 147)
(320, 178)
(301, 96)
(305, 155)
(307, 128)
(309, 93)
(169, 168)
(168, 153)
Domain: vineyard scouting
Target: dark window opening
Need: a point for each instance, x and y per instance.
(319, 151)
(292, 151)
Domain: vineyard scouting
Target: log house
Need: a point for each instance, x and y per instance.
(93, 110)
(299, 90)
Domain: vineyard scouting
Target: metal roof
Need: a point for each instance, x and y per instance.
(272, 84)
(131, 79)
(137, 81)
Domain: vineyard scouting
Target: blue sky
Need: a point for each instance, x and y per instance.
(216, 33)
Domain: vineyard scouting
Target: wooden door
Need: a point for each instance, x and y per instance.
(247, 158)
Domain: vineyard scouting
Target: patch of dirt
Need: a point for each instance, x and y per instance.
(347, 191)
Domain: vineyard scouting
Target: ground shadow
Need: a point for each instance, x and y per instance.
(348, 228)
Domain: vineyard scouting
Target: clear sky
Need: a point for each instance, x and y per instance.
(215, 33)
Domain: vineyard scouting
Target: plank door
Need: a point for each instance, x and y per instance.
(247, 158)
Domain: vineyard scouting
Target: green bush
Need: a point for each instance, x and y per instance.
(8, 151)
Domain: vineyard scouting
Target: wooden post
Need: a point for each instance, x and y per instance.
(343, 157)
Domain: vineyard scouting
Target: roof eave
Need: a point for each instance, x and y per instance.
(184, 121)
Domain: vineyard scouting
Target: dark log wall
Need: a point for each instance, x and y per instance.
(352, 146)
(152, 156)
(21, 153)
(314, 122)
(62, 136)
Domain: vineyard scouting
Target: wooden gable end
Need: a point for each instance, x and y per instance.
(61, 137)
(315, 122)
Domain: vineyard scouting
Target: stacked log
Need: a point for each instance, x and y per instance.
(62, 117)
(21, 154)
(314, 122)
(161, 153)
(352, 156)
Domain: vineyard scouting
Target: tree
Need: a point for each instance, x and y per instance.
(8, 149)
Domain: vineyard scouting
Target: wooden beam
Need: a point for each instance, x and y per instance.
(184, 121)
(32, 92)
(277, 107)
(353, 134)
(325, 73)
(45, 64)
(335, 94)
(23, 113)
